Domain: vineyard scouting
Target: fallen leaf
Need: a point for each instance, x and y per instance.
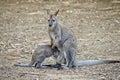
(12, 58)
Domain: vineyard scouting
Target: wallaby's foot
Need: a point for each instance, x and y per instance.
(37, 65)
(67, 67)
(58, 66)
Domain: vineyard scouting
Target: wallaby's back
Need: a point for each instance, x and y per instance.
(67, 34)
(42, 50)
(40, 53)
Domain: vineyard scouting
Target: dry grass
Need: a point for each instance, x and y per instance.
(23, 25)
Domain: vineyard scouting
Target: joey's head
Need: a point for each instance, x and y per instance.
(52, 19)
(55, 52)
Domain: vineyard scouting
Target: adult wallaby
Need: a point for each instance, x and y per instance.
(40, 54)
(63, 38)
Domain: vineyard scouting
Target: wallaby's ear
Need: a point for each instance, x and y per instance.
(56, 12)
(48, 11)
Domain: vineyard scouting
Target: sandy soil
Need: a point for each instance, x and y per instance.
(23, 25)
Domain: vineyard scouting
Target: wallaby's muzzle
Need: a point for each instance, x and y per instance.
(50, 25)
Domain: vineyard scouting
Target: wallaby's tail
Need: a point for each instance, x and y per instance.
(24, 65)
(93, 62)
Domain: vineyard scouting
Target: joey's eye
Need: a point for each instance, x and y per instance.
(53, 20)
(48, 20)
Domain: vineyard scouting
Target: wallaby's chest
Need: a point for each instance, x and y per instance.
(53, 35)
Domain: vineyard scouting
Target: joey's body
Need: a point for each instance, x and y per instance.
(40, 54)
(64, 39)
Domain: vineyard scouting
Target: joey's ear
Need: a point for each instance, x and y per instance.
(48, 11)
(56, 12)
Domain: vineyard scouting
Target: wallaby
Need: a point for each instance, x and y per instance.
(65, 40)
(62, 38)
(40, 54)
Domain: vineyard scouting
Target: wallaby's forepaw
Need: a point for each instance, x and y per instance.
(53, 47)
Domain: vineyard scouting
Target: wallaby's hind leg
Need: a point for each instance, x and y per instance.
(70, 58)
(69, 54)
(39, 61)
(72, 53)
(24, 65)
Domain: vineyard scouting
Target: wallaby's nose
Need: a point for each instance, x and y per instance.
(50, 25)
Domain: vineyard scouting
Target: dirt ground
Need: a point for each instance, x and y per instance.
(23, 26)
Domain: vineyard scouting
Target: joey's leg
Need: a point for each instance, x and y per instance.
(39, 62)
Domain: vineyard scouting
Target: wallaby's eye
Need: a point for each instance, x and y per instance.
(48, 20)
(53, 20)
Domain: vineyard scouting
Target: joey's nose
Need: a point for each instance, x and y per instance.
(50, 25)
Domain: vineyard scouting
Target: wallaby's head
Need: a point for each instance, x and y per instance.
(52, 19)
